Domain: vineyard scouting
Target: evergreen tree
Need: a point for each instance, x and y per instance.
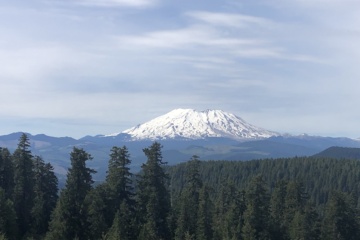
(341, 219)
(230, 207)
(69, 220)
(256, 215)
(295, 200)
(98, 210)
(204, 229)
(118, 179)
(6, 172)
(122, 227)
(277, 207)
(23, 190)
(7, 217)
(45, 196)
(153, 197)
(187, 219)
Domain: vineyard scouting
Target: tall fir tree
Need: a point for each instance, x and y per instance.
(204, 224)
(97, 211)
(6, 172)
(153, 197)
(341, 219)
(229, 217)
(118, 179)
(256, 216)
(123, 224)
(69, 219)
(24, 189)
(7, 217)
(189, 200)
(277, 208)
(45, 196)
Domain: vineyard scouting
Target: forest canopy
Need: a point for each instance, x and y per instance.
(290, 198)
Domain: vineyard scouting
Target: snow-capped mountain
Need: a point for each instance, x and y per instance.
(192, 124)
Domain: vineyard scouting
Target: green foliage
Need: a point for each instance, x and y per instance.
(229, 212)
(341, 218)
(7, 217)
(281, 199)
(119, 181)
(23, 191)
(70, 216)
(45, 196)
(123, 225)
(256, 215)
(204, 224)
(6, 172)
(319, 176)
(153, 197)
(189, 201)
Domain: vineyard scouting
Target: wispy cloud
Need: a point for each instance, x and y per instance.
(118, 3)
(228, 19)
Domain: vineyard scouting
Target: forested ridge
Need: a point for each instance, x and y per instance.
(293, 198)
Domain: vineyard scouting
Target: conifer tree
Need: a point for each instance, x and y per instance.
(69, 220)
(341, 219)
(45, 196)
(305, 224)
(153, 197)
(6, 172)
(256, 215)
(23, 180)
(98, 211)
(7, 217)
(230, 207)
(277, 207)
(204, 229)
(187, 219)
(118, 179)
(122, 227)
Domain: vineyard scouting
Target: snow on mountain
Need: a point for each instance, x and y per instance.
(192, 124)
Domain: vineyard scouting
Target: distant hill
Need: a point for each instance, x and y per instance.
(340, 153)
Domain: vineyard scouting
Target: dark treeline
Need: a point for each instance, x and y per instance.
(298, 198)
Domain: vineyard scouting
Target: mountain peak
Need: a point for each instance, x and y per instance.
(193, 124)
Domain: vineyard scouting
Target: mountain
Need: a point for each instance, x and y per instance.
(210, 134)
(192, 124)
(340, 153)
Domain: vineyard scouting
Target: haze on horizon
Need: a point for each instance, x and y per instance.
(87, 67)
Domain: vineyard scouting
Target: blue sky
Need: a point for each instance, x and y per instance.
(87, 67)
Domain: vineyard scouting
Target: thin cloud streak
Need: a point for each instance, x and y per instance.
(117, 3)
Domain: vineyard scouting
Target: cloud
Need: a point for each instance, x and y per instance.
(228, 19)
(118, 3)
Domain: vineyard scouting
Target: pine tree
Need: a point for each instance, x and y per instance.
(23, 190)
(69, 220)
(122, 227)
(6, 172)
(187, 219)
(230, 207)
(45, 196)
(7, 217)
(277, 207)
(118, 180)
(153, 197)
(204, 229)
(256, 216)
(341, 219)
(98, 211)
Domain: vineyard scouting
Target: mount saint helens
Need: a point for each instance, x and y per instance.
(210, 134)
(192, 124)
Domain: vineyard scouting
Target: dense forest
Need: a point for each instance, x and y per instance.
(297, 198)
